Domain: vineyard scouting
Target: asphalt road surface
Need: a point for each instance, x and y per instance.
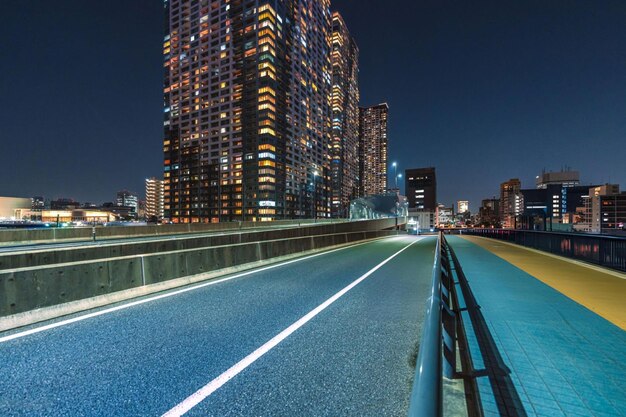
(333, 334)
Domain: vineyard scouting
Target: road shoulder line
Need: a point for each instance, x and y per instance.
(201, 280)
(204, 392)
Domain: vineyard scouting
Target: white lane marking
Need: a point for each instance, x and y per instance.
(200, 395)
(166, 295)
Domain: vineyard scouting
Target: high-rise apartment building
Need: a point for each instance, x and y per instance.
(344, 164)
(154, 199)
(373, 149)
(511, 202)
(421, 188)
(247, 116)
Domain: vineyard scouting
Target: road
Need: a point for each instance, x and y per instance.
(333, 334)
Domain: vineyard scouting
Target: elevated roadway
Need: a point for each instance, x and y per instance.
(329, 334)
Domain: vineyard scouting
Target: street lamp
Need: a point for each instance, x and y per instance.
(398, 176)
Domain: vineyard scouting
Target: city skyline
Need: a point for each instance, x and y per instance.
(90, 141)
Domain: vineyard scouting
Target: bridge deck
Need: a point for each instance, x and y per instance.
(562, 358)
(354, 358)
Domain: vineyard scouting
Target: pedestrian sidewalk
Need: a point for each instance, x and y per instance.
(562, 358)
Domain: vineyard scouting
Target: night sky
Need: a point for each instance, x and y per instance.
(482, 90)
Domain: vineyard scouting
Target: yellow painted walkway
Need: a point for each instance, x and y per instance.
(600, 290)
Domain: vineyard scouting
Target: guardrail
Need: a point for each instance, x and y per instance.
(437, 354)
(443, 330)
(606, 251)
(427, 395)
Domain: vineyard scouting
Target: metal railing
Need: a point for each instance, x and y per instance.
(443, 329)
(437, 353)
(606, 251)
(426, 398)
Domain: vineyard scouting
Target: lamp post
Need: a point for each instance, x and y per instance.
(398, 176)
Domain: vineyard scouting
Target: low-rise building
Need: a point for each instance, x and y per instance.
(12, 208)
(76, 215)
(424, 220)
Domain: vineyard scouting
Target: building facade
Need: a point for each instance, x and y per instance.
(12, 207)
(154, 199)
(462, 206)
(444, 216)
(489, 213)
(126, 198)
(247, 117)
(612, 213)
(421, 188)
(373, 143)
(554, 204)
(565, 178)
(344, 164)
(511, 202)
(608, 209)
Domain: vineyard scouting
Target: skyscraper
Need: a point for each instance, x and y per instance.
(345, 119)
(373, 149)
(246, 109)
(154, 199)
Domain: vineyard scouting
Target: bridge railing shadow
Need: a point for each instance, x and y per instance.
(445, 330)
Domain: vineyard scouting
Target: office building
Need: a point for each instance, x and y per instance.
(489, 213)
(373, 149)
(462, 206)
(247, 117)
(608, 209)
(565, 178)
(421, 188)
(444, 216)
(511, 202)
(125, 198)
(344, 163)
(154, 199)
(556, 202)
(38, 203)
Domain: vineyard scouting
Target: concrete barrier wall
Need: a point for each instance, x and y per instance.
(53, 256)
(25, 289)
(85, 233)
